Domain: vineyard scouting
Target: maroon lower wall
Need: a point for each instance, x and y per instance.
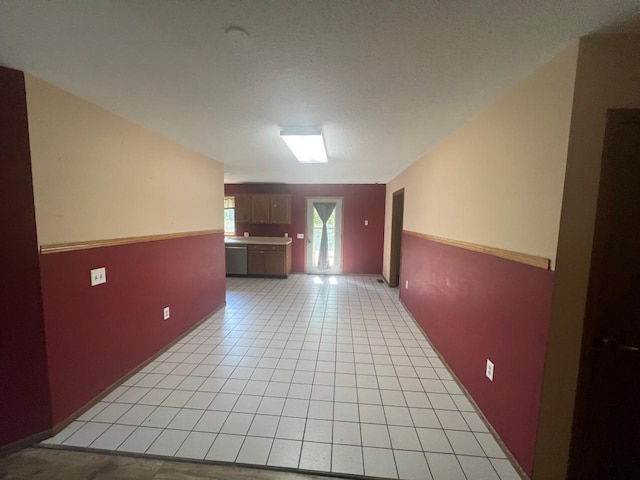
(24, 396)
(95, 335)
(475, 307)
(362, 245)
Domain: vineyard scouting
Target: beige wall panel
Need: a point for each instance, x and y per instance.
(497, 181)
(608, 76)
(99, 176)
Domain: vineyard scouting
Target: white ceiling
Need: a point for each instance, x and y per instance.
(385, 80)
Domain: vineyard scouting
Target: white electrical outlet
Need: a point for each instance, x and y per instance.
(246, 234)
(167, 313)
(406, 284)
(98, 276)
(300, 235)
(490, 370)
(366, 222)
(286, 235)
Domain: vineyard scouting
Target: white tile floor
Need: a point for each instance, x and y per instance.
(325, 374)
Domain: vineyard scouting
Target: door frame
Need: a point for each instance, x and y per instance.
(395, 257)
(306, 233)
(590, 337)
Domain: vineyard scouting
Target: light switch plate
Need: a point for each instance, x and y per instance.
(366, 222)
(98, 276)
(490, 370)
(167, 313)
(300, 235)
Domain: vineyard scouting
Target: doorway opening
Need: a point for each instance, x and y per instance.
(397, 215)
(323, 248)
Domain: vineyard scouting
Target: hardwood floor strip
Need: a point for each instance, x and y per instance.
(25, 442)
(525, 258)
(71, 246)
(68, 464)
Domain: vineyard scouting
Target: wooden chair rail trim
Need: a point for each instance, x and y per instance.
(525, 258)
(71, 246)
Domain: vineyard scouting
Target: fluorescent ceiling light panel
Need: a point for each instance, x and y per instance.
(306, 143)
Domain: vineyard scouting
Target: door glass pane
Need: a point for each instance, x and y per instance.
(317, 237)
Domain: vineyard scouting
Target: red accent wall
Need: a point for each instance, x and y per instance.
(475, 307)
(362, 245)
(95, 335)
(24, 396)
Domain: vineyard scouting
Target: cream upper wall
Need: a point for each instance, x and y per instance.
(99, 176)
(498, 180)
(608, 76)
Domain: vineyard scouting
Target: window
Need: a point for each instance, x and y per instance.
(229, 215)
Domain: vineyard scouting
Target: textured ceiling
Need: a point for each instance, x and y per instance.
(385, 80)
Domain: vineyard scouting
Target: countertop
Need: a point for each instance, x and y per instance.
(257, 240)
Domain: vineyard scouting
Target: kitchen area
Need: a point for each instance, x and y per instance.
(257, 255)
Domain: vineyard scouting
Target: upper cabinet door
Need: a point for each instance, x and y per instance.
(243, 208)
(263, 208)
(260, 209)
(280, 208)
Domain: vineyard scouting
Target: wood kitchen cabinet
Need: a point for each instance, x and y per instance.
(274, 208)
(256, 261)
(272, 260)
(260, 207)
(242, 208)
(280, 208)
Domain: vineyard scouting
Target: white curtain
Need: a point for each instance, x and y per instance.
(324, 212)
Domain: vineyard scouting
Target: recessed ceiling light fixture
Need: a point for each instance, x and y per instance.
(306, 143)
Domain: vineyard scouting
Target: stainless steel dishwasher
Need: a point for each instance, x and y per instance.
(236, 259)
